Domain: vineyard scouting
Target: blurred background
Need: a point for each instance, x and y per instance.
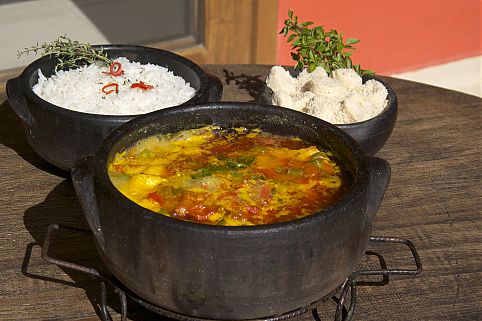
(432, 41)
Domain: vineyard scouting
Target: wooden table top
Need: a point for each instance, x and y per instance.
(434, 200)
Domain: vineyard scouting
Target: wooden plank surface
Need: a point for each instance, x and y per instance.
(434, 199)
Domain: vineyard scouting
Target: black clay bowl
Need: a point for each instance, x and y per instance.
(220, 272)
(62, 136)
(371, 134)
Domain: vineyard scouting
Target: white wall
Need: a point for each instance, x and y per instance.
(462, 75)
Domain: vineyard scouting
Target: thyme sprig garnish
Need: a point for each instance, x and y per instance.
(70, 53)
(313, 47)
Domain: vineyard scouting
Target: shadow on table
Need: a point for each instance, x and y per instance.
(252, 84)
(62, 207)
(13, 137)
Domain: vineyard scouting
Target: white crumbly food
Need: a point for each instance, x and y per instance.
(341, 98)
(81, 89)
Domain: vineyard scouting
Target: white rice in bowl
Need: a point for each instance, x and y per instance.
(81, 89)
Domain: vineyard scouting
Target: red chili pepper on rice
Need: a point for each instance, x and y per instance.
(141, 85)
(110, 88)
(115, 69)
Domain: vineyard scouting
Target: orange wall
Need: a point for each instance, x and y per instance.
(395, 36)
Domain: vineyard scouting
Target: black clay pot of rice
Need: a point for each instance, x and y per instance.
(62, 136)
(220, 272)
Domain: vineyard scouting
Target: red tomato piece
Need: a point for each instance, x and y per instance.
(265, 192)
(199, 212)
(156, 197)
(252, 210)
(119, 168)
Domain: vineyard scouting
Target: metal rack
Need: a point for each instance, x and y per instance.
(345, 296)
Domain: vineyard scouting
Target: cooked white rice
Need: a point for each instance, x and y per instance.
(81, 89)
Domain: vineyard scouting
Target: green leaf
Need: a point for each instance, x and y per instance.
(310, 41)
(311, 67)
(310, 55)
(290, 14)
(352, 41)
(291, 37)
(319, 31)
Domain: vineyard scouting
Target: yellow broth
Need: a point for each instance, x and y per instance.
(228, 177)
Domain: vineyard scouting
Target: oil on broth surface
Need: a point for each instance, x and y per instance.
(229, 177)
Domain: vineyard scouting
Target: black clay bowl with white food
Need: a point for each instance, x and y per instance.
(372, 133)
(62, 136)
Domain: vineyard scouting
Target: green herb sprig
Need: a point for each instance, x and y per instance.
(70, 53)
(313, 47)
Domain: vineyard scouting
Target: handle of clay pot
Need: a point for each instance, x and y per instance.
(379, 171)
(18, 101)
(215, 88)
(84, 184)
